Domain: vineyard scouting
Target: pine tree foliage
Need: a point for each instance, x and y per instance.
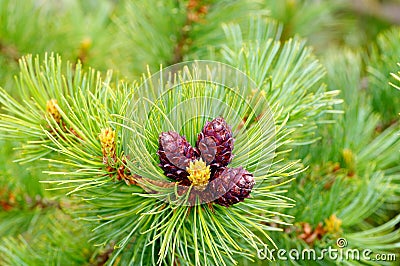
(348, 178)
(71, 28)
(42, 245)
(333, 23)
(383, 62)
(321, 142)
(66, 133)
(279, 70)
(34, 222)
(176, 31)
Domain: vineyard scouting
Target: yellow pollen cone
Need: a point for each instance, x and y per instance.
(199, 173)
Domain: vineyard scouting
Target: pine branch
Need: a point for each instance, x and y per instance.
(99, 137)
(42, 247)
(90, 180)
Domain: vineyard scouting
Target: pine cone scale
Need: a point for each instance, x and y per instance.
(175, 154)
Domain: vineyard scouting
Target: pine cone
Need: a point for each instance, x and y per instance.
(215, 143)
(232, 185)
(175, 153)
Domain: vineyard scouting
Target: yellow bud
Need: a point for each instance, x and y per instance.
(199, 173)
(107, 140)
(349, 159)
(332, 224)
(86, 43)
(52, 110)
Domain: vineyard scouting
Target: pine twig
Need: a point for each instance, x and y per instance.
(9, 51)
(196, 9)
(102, 258)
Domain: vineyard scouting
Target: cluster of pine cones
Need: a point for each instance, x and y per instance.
(205, 166)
